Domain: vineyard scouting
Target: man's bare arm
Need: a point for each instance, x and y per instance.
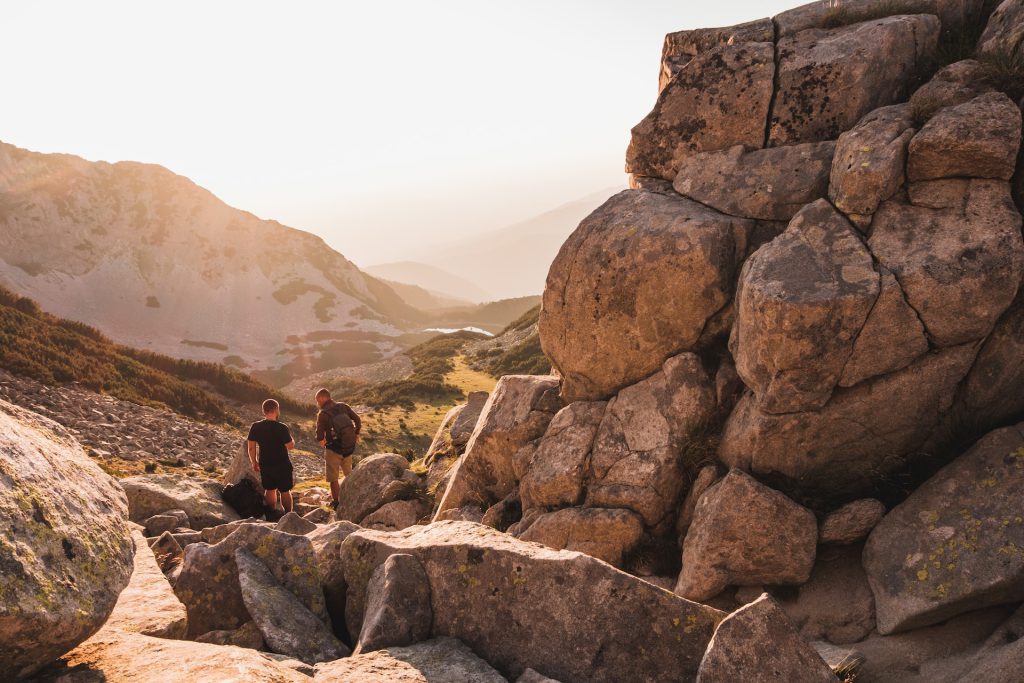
(252, 455)
(290, 445)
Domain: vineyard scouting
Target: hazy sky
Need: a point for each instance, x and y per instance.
(382, 126)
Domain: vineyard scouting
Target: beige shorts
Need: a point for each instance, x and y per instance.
(334, 462)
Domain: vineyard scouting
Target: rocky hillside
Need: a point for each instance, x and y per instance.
(161, 264)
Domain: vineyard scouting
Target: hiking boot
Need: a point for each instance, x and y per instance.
(334, 505)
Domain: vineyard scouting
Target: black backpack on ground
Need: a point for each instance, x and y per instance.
(244, 498)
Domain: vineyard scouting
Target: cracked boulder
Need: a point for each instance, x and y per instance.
(850, 446)
(636, 283)
(599, 532)
(519, 410)
(873, 64)
(869, 162)
(1004, 32)
(765, 184)
(959, 267)
(65, 551)
(803, 298)
(558, 462)
(637, 460)
(745, 534)
(977, 139)
(957, 543)
(209, 587)
(719, 99)
(154, 494)
(488, 588)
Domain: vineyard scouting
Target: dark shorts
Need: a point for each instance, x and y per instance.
(277, 476)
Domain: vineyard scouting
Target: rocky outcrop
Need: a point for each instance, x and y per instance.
(148, 605)
(606, 324)
(150, 495)
(488, 588)
(757, 642)
(441, 660)
(554, 467)
(65, 552)
(957, 543)
(682, 46)
(517, 412)
(744, 533)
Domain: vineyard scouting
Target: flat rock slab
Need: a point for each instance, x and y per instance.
(519, 605)
(288, 627)
(957, 543)
(154, 494)
(442, 660)
(148, 604)
(112, 656)
(758, 644)
(607, 534)
(65, 549)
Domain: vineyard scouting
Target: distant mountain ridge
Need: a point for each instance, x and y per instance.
(433, 278)
(159, 263)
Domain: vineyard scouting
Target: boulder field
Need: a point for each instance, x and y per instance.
(783, 439)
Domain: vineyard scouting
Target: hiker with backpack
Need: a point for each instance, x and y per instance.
(269, 442)
(337, 430)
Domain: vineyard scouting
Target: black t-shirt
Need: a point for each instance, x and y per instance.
(271, 436)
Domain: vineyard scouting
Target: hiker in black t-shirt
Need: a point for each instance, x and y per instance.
(269, 442)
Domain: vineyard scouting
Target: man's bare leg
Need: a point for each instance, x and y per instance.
(270, 498)
(286, 500)
(335, 491)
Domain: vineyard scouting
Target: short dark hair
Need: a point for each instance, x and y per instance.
(270, 405)
(322, 393)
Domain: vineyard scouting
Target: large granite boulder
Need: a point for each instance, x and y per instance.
(154, 494)
(746, 534)
(557, 462)
(959, 266)
(522, 605)
(957, 543)
(148, 604)
(637, 460)
(758, 643)
(977, 139)
(602, 533)
(208, 584)
(113, 656)
(803, 298)
(870, 161)
(851, 445)
(681, 47)
(517, 412)
(287, 625)
(718, 100)
(635, 284)
(464, 423)
(873, 64)
(373, 483)
(441, 660)
(955, 15)
(767, 184)
(65, 550)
